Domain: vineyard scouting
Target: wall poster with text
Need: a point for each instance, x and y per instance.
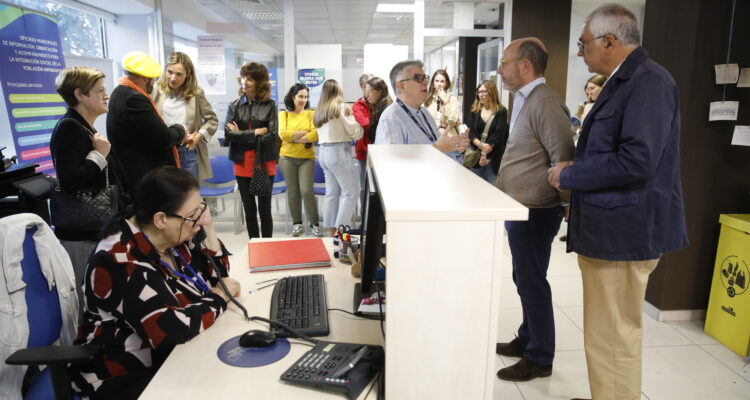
(30, 59)
(313, 78)
(211, 68)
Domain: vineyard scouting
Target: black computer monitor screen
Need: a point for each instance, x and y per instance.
(371, 241)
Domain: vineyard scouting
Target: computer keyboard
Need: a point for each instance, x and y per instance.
(300, 302)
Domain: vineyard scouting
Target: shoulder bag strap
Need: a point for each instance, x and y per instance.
(486, 131)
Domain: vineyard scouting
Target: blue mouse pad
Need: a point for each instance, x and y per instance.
(231, 353)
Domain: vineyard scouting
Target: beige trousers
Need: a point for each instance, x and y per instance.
(613, 295)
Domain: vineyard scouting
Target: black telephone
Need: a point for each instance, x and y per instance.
(339, 367)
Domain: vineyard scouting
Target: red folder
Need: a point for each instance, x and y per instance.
(287, 254)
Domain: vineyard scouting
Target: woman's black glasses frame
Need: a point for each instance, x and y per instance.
(203, 208)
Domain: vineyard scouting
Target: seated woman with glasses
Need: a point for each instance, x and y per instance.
(150, 285)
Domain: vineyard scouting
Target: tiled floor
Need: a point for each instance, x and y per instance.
(679, 360)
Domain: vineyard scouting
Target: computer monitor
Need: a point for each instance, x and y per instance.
(371, 241)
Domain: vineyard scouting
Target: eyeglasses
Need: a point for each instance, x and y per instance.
(582, 44)
(419, 78)
(481, 91)
(202, 209)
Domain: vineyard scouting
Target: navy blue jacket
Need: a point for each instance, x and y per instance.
(626, 190)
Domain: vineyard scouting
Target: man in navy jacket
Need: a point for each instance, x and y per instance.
(627, 207)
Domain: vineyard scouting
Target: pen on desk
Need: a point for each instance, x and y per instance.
(262, 287)
(270, 280)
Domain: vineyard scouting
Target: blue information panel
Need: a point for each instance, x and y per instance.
(313, 78)
(30, 58)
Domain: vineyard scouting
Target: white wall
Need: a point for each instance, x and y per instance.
(350, 84)
(578, 72)
(326, 56)
(130, 33)
(381, 57)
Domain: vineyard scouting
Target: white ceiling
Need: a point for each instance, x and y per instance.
(352, 23)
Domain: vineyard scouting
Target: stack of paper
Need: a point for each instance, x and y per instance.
(287, 254)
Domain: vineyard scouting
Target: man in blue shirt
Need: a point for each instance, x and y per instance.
(627, 207)
(407, 121)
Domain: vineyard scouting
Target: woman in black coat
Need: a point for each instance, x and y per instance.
(82, 156)
(487, 109)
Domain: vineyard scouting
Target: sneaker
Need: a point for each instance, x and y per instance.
(315, 230)
(297, 230)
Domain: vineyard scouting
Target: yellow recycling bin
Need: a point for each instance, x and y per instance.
(728, 314)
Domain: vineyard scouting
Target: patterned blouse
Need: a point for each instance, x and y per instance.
(138, 310)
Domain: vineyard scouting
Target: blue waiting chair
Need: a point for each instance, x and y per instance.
(45, 323)
(223, 184)
(319, 181)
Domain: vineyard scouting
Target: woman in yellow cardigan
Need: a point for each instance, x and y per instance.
(297, 157)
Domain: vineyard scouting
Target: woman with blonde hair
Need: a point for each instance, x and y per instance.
(180, 100)
(488, 132)
(336, 130)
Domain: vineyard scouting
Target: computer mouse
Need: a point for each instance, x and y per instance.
(257, 338)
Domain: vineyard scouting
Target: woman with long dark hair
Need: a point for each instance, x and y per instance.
(378, 98)
(251, 128)
(150, 285)
(297, 157)
(444, 107)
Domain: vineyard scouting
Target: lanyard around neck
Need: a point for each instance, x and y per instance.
(428, 132)
(196, 279)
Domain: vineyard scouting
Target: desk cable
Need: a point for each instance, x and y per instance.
(248, 317)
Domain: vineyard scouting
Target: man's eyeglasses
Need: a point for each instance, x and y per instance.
(582, 44)
(419, 78)
(194, 220)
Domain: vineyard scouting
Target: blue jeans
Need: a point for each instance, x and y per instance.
(485, 173)
(189, 160)
(457, 156)
(530, 245)
(342, 183)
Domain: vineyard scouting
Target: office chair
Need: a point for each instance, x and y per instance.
(279, 187)
(45, 323)
(224, 183)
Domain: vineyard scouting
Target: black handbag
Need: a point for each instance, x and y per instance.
(260, 184)
(83, 212)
